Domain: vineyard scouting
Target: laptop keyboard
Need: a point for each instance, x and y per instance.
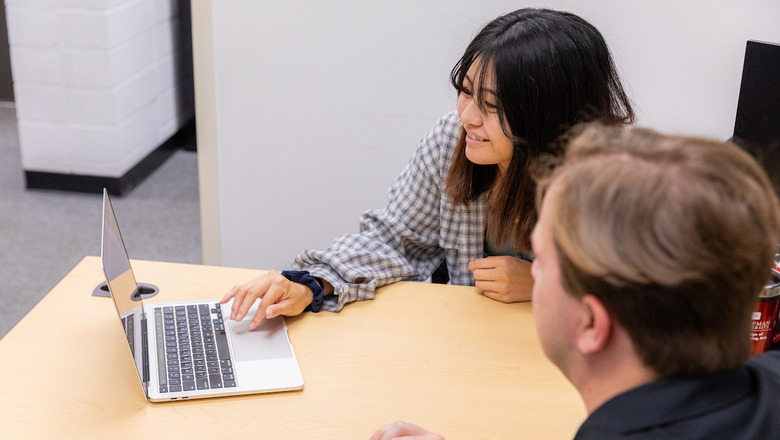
(129, 332)
(128, 322)
(192, 349)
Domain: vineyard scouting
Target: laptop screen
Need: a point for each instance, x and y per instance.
(123, 288)
(116, 264)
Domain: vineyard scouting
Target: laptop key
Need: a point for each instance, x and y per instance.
(229, 383)
(222, 345)
(188, 385)
(163, 388)
(202, 383)
(216, 381)
(175, 388)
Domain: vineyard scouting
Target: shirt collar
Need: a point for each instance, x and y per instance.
(668, 401)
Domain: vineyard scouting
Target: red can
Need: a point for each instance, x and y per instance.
(765, 315)
(776, 337)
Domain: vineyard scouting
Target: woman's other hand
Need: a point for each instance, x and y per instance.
(505, 279)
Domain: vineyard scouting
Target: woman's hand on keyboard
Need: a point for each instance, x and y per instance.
(277, 294)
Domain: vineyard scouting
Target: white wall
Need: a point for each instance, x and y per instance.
(682, 60)
(312, 108)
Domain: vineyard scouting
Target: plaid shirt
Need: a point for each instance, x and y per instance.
(408, 239)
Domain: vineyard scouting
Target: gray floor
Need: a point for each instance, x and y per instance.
(44, 234)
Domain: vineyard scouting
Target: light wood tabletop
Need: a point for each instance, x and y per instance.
(443, 357)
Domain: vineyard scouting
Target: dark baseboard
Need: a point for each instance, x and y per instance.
(118, 186)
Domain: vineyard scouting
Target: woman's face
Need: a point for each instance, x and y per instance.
(486, 143)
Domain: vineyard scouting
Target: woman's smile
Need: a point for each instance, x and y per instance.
(474, 139)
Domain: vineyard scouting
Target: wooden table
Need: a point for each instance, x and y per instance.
(444, 357)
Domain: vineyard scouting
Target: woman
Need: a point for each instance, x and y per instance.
(466, 197)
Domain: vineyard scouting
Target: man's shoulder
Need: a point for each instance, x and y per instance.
(743, 403)
(770, 360)
(766, 368)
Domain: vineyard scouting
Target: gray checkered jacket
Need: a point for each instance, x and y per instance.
(409, 238)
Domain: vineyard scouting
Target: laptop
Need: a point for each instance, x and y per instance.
(191, 349)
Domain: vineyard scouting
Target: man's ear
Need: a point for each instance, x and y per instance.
(595, 325)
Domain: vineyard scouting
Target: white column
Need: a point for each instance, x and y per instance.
(96, 82)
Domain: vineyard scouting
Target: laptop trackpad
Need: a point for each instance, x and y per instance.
(267, 341)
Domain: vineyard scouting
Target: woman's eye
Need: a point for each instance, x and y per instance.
(491, 108)
(465, 91)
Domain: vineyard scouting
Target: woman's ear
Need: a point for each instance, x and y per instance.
(595, 327)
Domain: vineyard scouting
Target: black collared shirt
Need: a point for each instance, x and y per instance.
(743, 403)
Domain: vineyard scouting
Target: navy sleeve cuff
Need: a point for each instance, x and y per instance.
(305, 278)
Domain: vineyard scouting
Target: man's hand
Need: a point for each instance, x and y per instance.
(403, 430)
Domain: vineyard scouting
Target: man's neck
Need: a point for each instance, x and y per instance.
(613, 371)
(599, 388)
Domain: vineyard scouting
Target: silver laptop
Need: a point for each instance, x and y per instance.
(191, 349)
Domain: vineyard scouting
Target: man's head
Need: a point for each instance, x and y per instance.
(673, 236)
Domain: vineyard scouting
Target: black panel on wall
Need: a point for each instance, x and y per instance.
(6, 83)
(187, 88)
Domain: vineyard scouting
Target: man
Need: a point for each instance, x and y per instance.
(650, 253)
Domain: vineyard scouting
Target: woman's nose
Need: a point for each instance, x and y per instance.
(471, 114)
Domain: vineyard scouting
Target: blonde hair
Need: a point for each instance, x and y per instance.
(674, 234)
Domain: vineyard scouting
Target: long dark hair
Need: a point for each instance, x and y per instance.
(552, 70)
